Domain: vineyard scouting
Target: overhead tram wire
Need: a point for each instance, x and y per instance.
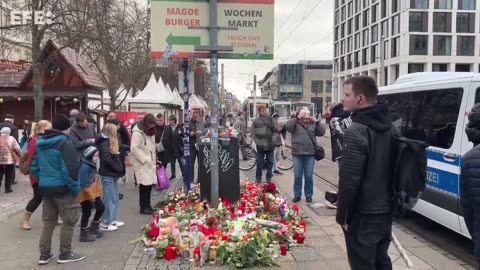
(289, 15)
(296, 27)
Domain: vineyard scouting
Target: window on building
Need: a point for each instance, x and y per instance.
(439, 67)
(317, 86)
(337, 17)
(465, 46)
(374, 54)
(419, 4)
(442, 22)
(412, 68)
(385, 49)
(349, 44)
(395, 5)
(418, 22)
(350, 9)
(357, 22)
(356, 62)
(466, 4)
(384, 32)
(375, 13)
(462, 68)
(429, 116)
(328, 87)
(395, 50)
(395, 25)
(384, 8)
(365, 37)
(443, 4)
(375, 33)
(342, 30)
(366, 18)
(358, 6)
(442, 45)
(365, 57)
(349, 61)
(344, 13)
(418, 45)
(357, 41)
(465, 22)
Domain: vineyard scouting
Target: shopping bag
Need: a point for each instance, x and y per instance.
(162, 179)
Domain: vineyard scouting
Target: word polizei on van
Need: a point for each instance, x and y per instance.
(433, 107)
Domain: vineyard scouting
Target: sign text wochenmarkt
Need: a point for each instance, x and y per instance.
(171, 37)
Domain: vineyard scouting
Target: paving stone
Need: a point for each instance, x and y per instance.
(322, 242)
(433, 258)
(334, 264)
(305, 254)
(315, 232)
(312, 265)
(333, 231)
(332, 253)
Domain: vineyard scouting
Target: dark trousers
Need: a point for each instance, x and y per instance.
(145, 195)
(172, 165)
(260, 162)
(9, 172)
(87, 211)
(367, 239)
(33, 204)
(193, 157)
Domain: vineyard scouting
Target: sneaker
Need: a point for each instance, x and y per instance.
(309, 199)
(70, 257)
(296, 199)
(46, 258)
(8, 191)
(108, 228)
(118, 223)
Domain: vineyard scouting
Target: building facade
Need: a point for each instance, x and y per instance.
(15, 43)
(417, 35)
(305, 81)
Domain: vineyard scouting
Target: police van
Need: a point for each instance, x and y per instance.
(433, 107)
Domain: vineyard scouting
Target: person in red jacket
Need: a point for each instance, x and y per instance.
(37, 197)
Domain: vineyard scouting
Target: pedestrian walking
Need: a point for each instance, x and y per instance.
(262, 131)
(110, 170)
(33, 204)
(304, 129)
(470, 181)
(163, 134)
(10, 154)
(90, 195)
(144, 159)
(176, 146)
(59, 187)
(81, 134)
(365, 205)
(239, 126)
(8, 122)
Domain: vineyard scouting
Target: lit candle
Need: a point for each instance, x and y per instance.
(283, 249)
(300, 238)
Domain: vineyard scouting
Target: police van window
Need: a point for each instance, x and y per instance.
(430, 116)
(477, 96)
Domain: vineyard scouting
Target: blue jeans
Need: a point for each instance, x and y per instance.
(303, 166)
(110, 198)
(181, 162)
(260, 162)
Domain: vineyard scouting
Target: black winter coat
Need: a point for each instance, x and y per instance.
(177, 141)
(110, 165)
(365, 185)
(470, 189)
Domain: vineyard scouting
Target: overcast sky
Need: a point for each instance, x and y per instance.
(312, 40)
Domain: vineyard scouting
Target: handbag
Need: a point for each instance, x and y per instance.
(319, 151)
(162, 179)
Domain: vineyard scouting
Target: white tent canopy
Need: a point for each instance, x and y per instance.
(178, 97)
(194, 102)
(153, 93)
(173, 96)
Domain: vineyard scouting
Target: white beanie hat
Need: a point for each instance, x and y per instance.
(6, 131)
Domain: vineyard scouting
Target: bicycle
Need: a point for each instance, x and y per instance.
(248, 155)
(284, 163)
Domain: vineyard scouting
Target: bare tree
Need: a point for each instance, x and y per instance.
(70, 24)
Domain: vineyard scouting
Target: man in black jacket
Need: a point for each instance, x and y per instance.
(470, 182)
(163, 134)
(8, 122)
(365, 185)
(176, 145)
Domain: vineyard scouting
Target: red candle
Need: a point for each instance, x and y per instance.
(304, 225)
(169, 253)
(283, 249)
(197, 257)
(300, 238)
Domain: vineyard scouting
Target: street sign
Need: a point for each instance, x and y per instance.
(229, 97)
(171, 38)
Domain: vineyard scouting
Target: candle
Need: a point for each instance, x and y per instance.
(300, 238)
(213, 254)
(283, 249)
(170, 253)
(197, 256)
(304, 225)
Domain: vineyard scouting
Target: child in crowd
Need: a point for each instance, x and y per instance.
(90, 195)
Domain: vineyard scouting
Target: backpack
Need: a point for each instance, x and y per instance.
(409, 175)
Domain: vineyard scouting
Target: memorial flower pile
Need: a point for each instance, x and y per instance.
(251, 232)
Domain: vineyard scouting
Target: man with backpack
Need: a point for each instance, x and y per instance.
(365, 207)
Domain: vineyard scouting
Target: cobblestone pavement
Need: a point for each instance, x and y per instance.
(12, 203)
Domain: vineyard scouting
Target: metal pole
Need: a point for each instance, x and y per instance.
(382, 61)
(254, 96)
(187, 178)
(214, 103)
